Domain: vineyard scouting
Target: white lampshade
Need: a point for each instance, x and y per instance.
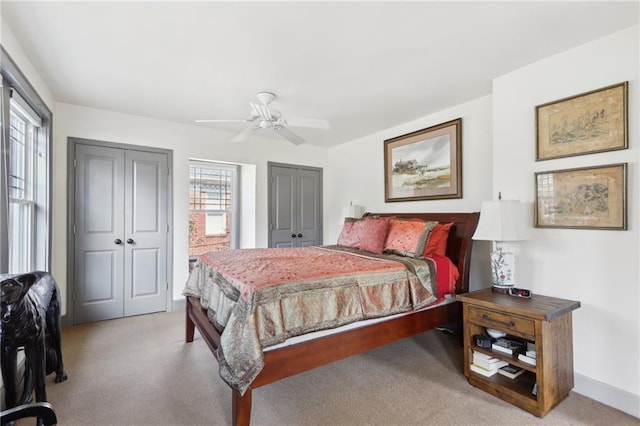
(353, 210)
(501, 220)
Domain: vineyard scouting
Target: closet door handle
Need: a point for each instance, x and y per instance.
(293, 235)
(130, 241)
(299, 235)
(118, 241)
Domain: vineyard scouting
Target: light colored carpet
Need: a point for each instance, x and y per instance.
(139, 371)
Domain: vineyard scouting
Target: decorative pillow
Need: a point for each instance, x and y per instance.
(437, 244)
(408, 237)
(351, 233)
(374, 234)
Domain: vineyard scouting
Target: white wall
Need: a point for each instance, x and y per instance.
(356, 174)
(185, 141)
(598, 268)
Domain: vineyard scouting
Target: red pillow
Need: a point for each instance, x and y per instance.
(374, 235)
(351, 233)
(408, 237)
(437, 244)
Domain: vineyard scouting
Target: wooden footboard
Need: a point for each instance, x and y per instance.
(305, 356)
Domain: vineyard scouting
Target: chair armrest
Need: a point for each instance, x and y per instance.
(41, 410)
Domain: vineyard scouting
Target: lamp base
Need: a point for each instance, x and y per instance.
(503, 268)
(500, 290)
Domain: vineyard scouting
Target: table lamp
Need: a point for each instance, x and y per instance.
(500, 221)
(353, 210)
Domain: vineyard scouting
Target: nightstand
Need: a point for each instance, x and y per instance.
(542, 321)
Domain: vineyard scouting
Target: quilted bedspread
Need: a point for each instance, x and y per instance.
(261, 297)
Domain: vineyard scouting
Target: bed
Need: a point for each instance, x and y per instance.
(303, 353)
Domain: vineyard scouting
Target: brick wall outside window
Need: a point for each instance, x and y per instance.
(199, 241)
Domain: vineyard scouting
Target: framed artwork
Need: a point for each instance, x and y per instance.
(591, 122)
(425, 164)
(586, 198)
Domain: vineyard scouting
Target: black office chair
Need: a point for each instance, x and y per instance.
(43, 411)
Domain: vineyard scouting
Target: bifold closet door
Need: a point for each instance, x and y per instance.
(120, 233)
(146, 228)
(295, 203)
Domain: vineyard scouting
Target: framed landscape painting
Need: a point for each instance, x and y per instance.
(424, 165)
(591, 122)
(586, 198)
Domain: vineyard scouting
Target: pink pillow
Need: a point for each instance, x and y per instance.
(437, 244)
(351, 233)
(374, 235)
(408, 237)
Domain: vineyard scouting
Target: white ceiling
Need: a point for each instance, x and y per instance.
(363, 67)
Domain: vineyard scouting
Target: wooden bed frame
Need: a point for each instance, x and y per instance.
(304, 356)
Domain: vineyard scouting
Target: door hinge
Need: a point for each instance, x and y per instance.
(167, 285)
(271, 226)
(73, 296)
(167, 229)
(75, 163)
(74, 230)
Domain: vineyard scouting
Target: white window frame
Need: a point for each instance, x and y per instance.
(34, 240)
(235, 195)
(22, 207)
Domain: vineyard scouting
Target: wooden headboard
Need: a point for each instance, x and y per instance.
(459, 243)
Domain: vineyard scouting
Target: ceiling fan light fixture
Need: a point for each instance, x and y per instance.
(265, 97)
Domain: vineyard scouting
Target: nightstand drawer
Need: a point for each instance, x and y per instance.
(502, 322)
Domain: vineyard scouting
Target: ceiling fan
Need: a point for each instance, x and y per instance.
(264, 117)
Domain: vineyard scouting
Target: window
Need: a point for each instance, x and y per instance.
(212, 207)
(21, 190)
(24, 174)
(216, 223)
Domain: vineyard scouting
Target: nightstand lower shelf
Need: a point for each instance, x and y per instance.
(517, 391)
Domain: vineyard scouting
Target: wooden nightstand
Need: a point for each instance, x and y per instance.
(545, 321)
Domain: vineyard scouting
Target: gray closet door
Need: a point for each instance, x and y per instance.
(120, 233)
(145, 214)
(309, 208)
(99, 232)
(295, 197)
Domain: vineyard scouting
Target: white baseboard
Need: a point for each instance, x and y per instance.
(607, 394)
(178, 304)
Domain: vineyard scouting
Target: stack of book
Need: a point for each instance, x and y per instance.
(508, 346)
(531, 360)
(510, 371)
(529, 356)
(486, 364)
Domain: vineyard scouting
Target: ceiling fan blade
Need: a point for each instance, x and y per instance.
(288, 134)
(308, 122)
(244, 135)
(223, 121)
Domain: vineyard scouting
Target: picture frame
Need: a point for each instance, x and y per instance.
(582, 198)
(425, 164)
(595, 121)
